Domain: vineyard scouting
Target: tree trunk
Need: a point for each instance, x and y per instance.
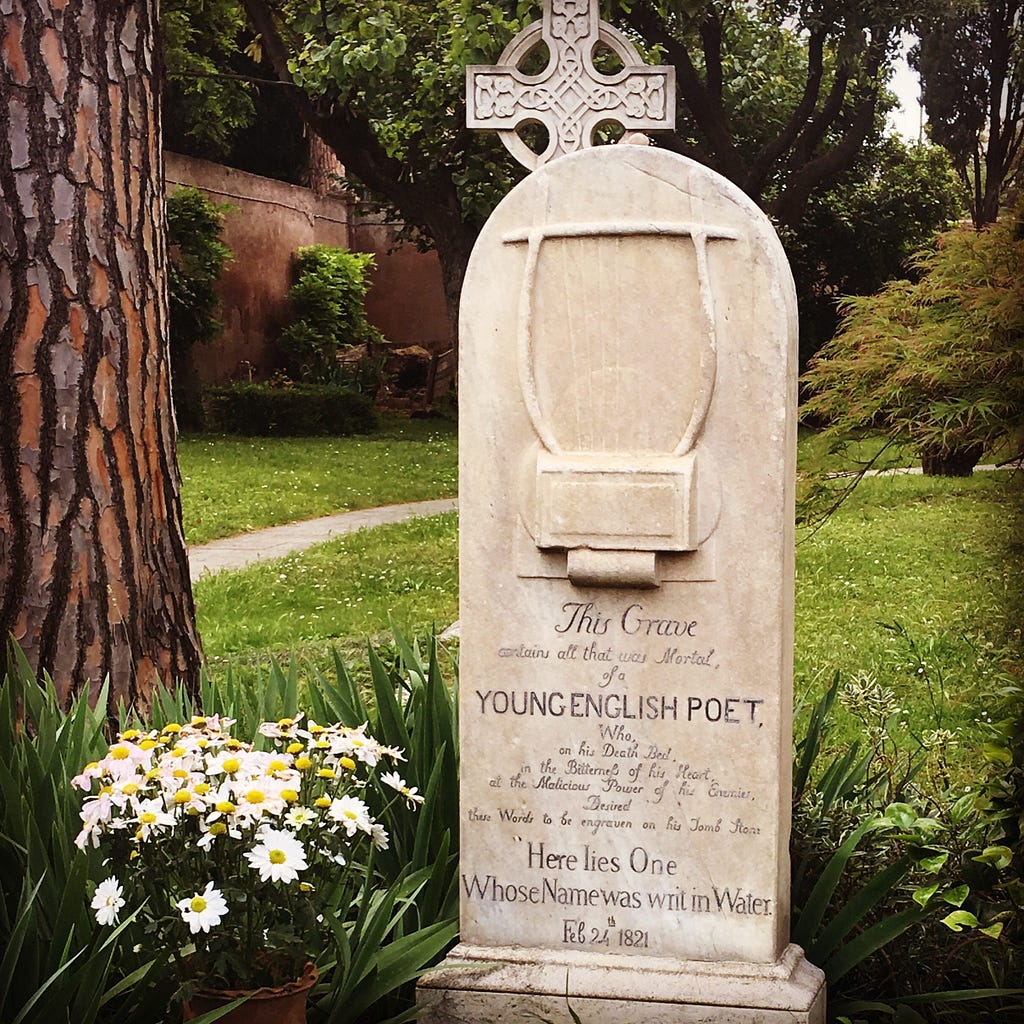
(93, 571)
(951, 461)
(325, 169)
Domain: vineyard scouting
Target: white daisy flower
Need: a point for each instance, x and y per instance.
(397, 783)
(151, 815)
(352, 814)
(279, 857)
(379, 836)
(298, 817)
(204, 910)
(108, 902)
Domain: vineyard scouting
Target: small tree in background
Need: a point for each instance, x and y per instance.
(937, 364)
(197, 258)
(328, 311)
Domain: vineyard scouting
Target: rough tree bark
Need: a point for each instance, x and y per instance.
(93, 571)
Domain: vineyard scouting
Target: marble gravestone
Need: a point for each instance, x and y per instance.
(627, 439)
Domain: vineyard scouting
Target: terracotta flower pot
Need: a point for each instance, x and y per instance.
(282, 1004)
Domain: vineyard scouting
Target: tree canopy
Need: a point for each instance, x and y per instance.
(971, 61)
(780, 99)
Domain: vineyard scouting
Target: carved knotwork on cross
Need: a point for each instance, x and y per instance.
(570, 97)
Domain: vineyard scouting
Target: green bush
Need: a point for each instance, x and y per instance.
(196, 259)
(938, 364)
(903, 892)
(327, 309)
(57, 966)
(263, 410)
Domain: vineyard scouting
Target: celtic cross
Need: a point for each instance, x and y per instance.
(570, 97)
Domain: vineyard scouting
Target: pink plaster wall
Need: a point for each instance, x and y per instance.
(270, 220)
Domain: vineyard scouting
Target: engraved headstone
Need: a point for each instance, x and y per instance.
(627, 440)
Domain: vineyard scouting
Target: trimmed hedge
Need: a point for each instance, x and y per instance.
(261, 410)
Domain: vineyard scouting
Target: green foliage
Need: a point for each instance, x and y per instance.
(263, 410)
(939, 363)
(55, 965)
(864, 229)
(197, 259)
(971, 61)
(327, 310)
(203, 105)
(901, 891)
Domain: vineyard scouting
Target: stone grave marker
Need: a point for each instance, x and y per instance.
(627, 446)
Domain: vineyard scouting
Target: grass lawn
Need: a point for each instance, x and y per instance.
(339, 593)
(236, 484)
(914, 582)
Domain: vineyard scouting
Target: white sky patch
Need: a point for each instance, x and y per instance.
(906, 120)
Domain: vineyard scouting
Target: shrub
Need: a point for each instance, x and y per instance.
(938, 364)
(57, 965)
(904, 893)
(262, 410)
(328, 312)
(196, 259)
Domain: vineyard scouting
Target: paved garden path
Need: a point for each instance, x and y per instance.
(278, 541)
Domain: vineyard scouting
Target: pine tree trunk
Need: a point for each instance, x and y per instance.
(325, 169)
(93, 570)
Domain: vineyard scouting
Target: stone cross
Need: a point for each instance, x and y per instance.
(570, 97)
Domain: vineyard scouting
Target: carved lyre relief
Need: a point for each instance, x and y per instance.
(618, 472)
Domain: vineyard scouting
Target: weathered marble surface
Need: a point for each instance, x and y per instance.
(627, 445)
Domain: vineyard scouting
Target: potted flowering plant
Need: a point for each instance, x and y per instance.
(239, 855)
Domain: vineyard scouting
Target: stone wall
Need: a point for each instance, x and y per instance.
(272, 219)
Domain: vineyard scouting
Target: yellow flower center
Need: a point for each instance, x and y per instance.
(348, 763)
(305, 887)
(325, 773)
(183, 796)
(172, 728)
(152, 773)
(147, 817)
(198, 720)
(130, 788)
(106, 791)
(202, 788)
(277, 857)
(323, 744)
(316, 729)
(303, 764)
(198, 904)
(225, 806)
(322, 801)
(147, 744)
(180, 773)
(91, 766)
(218, 828)
(231, 764)
(130, 734)
(277, 766)
(255, 796)
(233, 744)
(294, 748)
(285, 723)
(350, 814)
(120, 752)
(289, 795)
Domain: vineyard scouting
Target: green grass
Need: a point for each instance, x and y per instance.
(913, 582)
(339, 593)
(234, 485)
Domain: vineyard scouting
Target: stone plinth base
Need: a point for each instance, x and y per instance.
(513, 985)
